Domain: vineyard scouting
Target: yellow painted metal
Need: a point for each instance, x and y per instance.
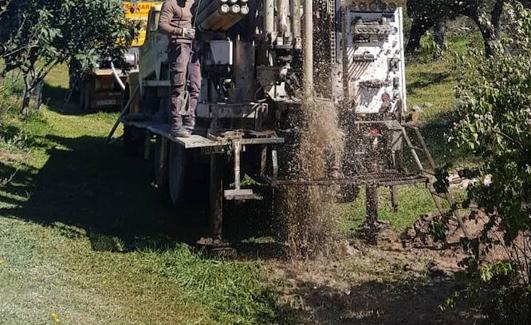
(139, 12)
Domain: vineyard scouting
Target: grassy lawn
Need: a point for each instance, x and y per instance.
(414, 201)
(85, 238)
(54, 272)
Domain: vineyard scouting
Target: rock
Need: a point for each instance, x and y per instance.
(347, 249)
(437, 271)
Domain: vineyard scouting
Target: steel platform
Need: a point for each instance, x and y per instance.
(198, 140)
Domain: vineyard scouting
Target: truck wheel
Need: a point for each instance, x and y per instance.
(160, 165)
(133, 140)
(177, 163)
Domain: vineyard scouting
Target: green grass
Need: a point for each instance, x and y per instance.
(85, 238)
(54, 270)
(431, 85)
(414, 201)
(431, 82)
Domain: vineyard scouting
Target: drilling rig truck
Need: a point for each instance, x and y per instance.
(261, 59)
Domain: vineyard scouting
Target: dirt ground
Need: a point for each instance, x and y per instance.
(391, 283)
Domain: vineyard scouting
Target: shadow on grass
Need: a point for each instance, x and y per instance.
(427, 79)
(89, 189)
(414, 302)
(90, 185)
(436, 132)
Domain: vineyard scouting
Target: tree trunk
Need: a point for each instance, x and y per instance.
(418, 29)
(496, 16)
(490, 34)
(26, 98)
(440, 33)
(37, 93)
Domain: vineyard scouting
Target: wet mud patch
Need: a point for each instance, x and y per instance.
(366, 284)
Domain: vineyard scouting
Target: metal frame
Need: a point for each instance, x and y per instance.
(217, 147)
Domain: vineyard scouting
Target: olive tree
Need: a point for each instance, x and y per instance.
(494, 123)
(486, 14)
(37, 35)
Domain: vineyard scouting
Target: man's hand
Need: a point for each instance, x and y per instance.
(188, 33)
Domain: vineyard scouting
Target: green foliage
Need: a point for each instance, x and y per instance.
(36, 35)
(494, 115)
(429, 49)
(489, 272)
(495, 289)
(493, 123)
(438, 230)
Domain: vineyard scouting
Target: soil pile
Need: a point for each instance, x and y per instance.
(307, 212)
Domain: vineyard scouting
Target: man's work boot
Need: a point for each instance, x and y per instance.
(180, 132)
(189, 122)
(177, 129)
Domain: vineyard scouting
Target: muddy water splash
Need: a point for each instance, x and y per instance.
(308, 215)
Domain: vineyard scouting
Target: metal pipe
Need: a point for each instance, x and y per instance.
(235, 18)
(206, 10)
(402, 60)
(214, 19)
(117, 77)
(122, 113)
(228, 19)
(295, 9)
(235, 9)
(269, 16)
(244, 10)
(371, 205)
(237, 152)
(216, 195)
(307, 51)
(282, 20)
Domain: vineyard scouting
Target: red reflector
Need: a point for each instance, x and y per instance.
(374, 132)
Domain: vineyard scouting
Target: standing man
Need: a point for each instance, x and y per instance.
(176, 21)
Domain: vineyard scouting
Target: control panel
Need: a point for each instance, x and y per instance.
(371, 56)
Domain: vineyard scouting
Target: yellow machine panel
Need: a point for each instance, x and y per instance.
(139, 12)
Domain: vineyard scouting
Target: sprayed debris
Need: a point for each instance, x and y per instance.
(308, 215)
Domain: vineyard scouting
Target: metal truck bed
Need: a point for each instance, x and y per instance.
(196, 140)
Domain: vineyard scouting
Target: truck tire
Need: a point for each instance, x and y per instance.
(177, 165)
(160, 166)
(133, 140)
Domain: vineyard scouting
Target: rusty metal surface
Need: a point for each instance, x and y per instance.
(241, 195)
(368, 179)
(199, 141)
